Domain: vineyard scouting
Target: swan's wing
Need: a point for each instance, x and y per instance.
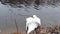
(32, 27)
(37, 20)
(28, 21)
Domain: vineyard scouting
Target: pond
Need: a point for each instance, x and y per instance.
(49, 16)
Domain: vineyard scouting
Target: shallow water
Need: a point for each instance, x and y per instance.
(8, 14)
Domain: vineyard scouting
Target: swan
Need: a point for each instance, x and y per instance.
(32, 23)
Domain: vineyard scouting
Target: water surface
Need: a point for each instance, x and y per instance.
(47, 14)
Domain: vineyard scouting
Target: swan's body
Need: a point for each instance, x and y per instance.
(32, 23)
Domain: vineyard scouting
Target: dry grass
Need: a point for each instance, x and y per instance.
(47, 30)
(44, 30)
(15, 33)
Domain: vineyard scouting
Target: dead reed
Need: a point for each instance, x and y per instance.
(47, 30)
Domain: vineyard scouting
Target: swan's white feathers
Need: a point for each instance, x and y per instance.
(32, 23)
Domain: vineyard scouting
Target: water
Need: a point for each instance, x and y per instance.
(8, 14)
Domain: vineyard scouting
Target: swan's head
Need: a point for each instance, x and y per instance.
(34, 16)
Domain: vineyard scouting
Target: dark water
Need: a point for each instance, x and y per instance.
(48, 15)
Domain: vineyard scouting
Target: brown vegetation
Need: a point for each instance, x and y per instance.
(48, 30)
(16, 33)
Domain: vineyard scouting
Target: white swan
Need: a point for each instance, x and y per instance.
(32, 23)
